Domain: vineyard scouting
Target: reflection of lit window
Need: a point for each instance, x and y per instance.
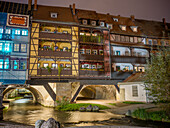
(8, 31)
(23, 47)
(82, 51)
(17, 32)
(7, 47)
(16, 64)
(16, 47)
(1, 63)
(54, 66)
(24, 32)
(1, 30)
(1, 45)
(88, 51)
(94, 52)
(23, 65)
(45, 65)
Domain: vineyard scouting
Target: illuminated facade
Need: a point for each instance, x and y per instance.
(14, 48)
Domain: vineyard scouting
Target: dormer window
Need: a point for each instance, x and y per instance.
(123, 27)
(134, 28)
(53, 15)
(93, 23)
(109, 26)
(102, 24)
(115, 19)
(85, 22)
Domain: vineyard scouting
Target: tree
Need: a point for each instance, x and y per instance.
(157, 77)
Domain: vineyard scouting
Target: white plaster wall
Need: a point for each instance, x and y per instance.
(128, 92)
(121, 49)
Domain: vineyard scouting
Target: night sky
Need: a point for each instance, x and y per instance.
(142, 9)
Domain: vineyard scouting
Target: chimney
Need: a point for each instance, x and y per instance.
(108, 13)
(29, 5)
(74, 9)
(164, 22)
(132, 17)
(35, 4)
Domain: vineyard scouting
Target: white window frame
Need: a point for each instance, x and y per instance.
(82, 51)
(54, 66)
(88, 51)
(8, 31)
(23, 47)
(93, 23)
(24, 32)
(135, 91)
(85, 22)
(1, 46)
(102, 24)
(54, 15)
(16, 48)
(109, 26)
(7, 45)
(93, 66)
(17, 32)
(115, 19)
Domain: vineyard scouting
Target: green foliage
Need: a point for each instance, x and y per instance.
(63, 102)
(155, 116)
(114, 104)
(75, 107)
(157, 78)
(59, 71)
(49, 69)
(133, 102)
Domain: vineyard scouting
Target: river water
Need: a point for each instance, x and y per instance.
(26, 112)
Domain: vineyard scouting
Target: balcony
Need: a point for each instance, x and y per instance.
(91, 39)
(91, 73)
(128, 59)
(53, 35)
(91, 57)
(54, 72)
(54, 53)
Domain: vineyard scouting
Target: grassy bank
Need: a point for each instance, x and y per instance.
(16, 98)
(155, 115)
(132, 102)
(75, 107)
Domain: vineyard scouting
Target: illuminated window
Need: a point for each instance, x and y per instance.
(68, 65)
(86, 66)
(1, 45)
(127, 68)
(94, 52)
(115, 19)
(8, 31)
(93, 67)
(24, 32)
(16, 64)
(82, 51)
(6, 64)
(7, 45)
(123, 27)
(23, 64)
(88, 51)
(1, 63)
(45, 65)
(134, 28)
(1, 30)
(16, 48)
(17, 32)
(109, 26)
(54, 66)
(102, 24)
(23, 47)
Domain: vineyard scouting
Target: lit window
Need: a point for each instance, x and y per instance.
(8, 31)
(45, 65)
(109, 26)
(88, 51)
(23, 65)
(85, 22)
(54, 66)
(53, 15)
(150, 42)
(102, 24)
(141, 69)
(6, 64)
(134, 91)
(68, 65)
(94, 52)
(93, 67)
(86, 66)
(100, 52)
(24, 32)
(1, 30)
(17, 32)
(82, 51)
(127, 68)
(1, 45)
(93, 23)
(1, 63)
(117, 53)
(131, 39)
(23, 47)
(134, 28)
(16, 64)
(115, 19)
(123, 27)
(16, 48)
(7, 47)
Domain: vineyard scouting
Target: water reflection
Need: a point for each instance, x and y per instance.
(24, 111)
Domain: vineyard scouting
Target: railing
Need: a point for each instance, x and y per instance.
(54, 53)
(67, 71)
(91, 57)
(91, 73)
(93, 39)
(55, 35)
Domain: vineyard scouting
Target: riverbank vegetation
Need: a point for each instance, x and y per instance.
(143, 114)
(75, 107)
(16, 98)
(132, 102)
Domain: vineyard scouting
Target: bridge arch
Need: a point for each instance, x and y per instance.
(37, 96)
(104, 92)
